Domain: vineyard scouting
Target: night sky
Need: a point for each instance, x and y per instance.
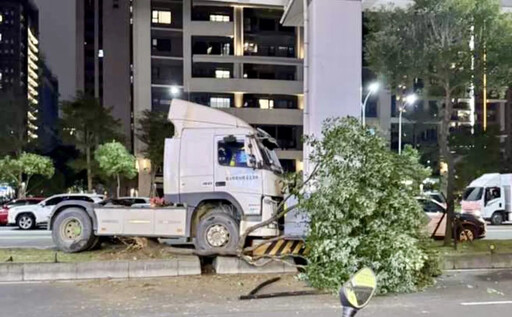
(57, 41)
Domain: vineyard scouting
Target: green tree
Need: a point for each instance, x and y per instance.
(154, 129)
(363, 211)
(431, 40)
(115, 160)
(478, 153)
(18, 172)
(86, 124)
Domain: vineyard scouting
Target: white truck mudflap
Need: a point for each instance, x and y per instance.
(148, 222)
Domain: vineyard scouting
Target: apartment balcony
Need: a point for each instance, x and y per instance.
(242, 85)
(208, 28)
(265, 60)
(257, 116)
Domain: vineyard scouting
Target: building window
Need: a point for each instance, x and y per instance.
(100, 53)
(219, 18)
(161, 17)
(266, 103)
(250, 47)
(219, 73)
(216, 102)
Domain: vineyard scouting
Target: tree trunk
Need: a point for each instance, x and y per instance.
(446, 156)
(89, 171)
(118, 185)
(21, 187)
(152, 189)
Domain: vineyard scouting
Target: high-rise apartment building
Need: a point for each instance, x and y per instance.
(19, 59)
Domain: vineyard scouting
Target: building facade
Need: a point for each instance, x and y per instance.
(19, 59)
(48, 113)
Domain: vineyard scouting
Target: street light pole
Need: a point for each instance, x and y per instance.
(410, 99)
(373, 88)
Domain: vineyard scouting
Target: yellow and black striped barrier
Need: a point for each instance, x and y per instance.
(281, 248)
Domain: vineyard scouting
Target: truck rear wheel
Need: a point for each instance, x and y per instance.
(217, 231)
(497, 218)
(72, 231)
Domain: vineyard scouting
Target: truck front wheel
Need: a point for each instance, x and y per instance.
(217, 231)
(497, 218)
(72, 231)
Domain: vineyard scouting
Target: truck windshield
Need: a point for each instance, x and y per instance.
(270, 158)
(473, 193)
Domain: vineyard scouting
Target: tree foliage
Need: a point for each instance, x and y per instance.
(86, 124)
(154, 129)
(18, 172)
(115, 160)
(479, 154)
(363, 210)
(430, 40)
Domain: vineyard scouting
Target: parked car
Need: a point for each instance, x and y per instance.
(4, 211)
(28, 217)
(437, 196)
(473, 227)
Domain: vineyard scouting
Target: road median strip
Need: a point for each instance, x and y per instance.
(178, 266)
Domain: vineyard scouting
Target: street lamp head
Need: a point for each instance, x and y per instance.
(174, 90)
(374, 87)
(410, 99)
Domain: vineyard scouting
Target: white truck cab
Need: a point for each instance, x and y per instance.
(221, 176)
(216, 158)
(489, 196)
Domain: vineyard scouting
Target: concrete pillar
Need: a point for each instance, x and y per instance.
(239, 99)
(96, 49)
(187, 45)
(333, 68)
(141, 75)
(238, 39)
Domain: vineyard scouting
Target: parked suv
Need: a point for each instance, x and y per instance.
(28, 217)
(4, 211)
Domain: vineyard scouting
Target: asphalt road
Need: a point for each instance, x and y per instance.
(468, 294)
(12, 237)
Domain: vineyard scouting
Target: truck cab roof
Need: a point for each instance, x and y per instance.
(184, 114)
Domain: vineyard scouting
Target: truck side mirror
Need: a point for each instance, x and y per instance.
(357, 292)
(251, 160)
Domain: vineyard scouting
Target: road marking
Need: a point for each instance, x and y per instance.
(507, 302)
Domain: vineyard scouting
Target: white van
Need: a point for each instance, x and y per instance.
(489, 196)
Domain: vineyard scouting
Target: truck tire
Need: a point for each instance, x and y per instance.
(217, 231)
(497, 218)
(72, 231)
(26, 221)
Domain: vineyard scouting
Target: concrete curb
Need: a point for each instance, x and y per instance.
(227, 265)
(180, 266)
(480, 261)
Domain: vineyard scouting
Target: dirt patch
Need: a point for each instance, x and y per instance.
(207, 288)
(107, 252)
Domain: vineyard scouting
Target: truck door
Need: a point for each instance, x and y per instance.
(233, 174)
(492, 201)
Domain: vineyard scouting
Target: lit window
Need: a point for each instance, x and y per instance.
(250, 47)
(100, 53)
(161, 17)
(266, 103)
(219, 18)
(1, 18)
(219, 73)
(216, 102)
(0, 37)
